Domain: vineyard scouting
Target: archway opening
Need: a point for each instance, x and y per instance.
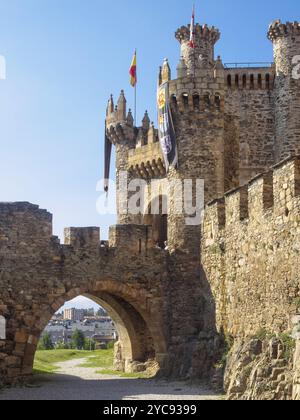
(101, 326)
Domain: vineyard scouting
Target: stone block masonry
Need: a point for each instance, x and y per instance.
(234, 280)
(251, 253)
(128, 276)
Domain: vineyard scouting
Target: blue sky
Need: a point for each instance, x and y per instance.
(80, 302)
(64, 58)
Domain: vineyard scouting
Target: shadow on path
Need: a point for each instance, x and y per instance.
(67, 387)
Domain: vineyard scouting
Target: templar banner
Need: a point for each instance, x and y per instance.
(166, 130)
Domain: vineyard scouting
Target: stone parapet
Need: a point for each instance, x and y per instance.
(82, 237)
(136, 239)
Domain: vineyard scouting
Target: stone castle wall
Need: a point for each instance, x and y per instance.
(250, 253)
(250, 133)
(141, 287)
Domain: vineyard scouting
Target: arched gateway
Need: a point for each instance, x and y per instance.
(134, 280)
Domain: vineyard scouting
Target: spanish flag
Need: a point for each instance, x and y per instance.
(192, 42)
(132, 71)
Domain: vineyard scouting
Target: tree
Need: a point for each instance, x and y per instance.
(78, 339)
(46, 342)
(89, 344)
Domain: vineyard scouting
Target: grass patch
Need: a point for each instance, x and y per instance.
(263, 335)
(141, 375)
(45, 362)
(100, 359)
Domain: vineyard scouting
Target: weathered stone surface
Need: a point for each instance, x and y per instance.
(253, 373)
(224, 282)
(138, 284)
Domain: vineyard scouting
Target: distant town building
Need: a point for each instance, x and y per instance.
(100, 329)
(74, 314)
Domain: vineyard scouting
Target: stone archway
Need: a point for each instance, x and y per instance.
(141, 339)
(143, 284)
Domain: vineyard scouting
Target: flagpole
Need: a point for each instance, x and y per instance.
(135, 94)
(194, 46)
(135, 103)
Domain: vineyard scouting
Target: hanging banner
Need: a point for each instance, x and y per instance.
(166, 129)
(107, 160)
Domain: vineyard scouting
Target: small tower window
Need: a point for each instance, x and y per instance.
(207, 99)
(237, 80)
(267, 81)
(259, 81)
(229, 80)
(218, 100)
(174, 101)
(244, 80)
(196, 101)
(185, 99)
(252, 81)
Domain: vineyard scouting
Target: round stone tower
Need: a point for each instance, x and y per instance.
(197, 104)
(203, 54)
(286, 42)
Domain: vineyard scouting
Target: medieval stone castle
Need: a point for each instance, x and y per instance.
(221, 301)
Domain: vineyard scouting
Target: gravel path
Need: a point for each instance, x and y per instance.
(78, 383)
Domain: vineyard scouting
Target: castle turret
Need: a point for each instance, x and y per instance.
(203, 54)
(122, 133)
(197, 104)
(286, 42)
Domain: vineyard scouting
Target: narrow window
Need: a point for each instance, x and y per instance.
(267, 81)
(252, 81)
(207, 100)
(174, 101)
(259, 81)
(185, 99)
(218, 100)
(196, 101)
(229, 80)
(244, 80)
(237, 80)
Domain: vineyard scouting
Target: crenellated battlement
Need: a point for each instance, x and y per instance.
(197, 95)
(277, 29)
(26, 226)
(250, 252)
(274, 194)
(202, 32)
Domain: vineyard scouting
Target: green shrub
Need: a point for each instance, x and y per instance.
(289, 344)
(228, 342)
(111, 345)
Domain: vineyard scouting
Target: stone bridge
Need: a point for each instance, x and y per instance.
(156, 299)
